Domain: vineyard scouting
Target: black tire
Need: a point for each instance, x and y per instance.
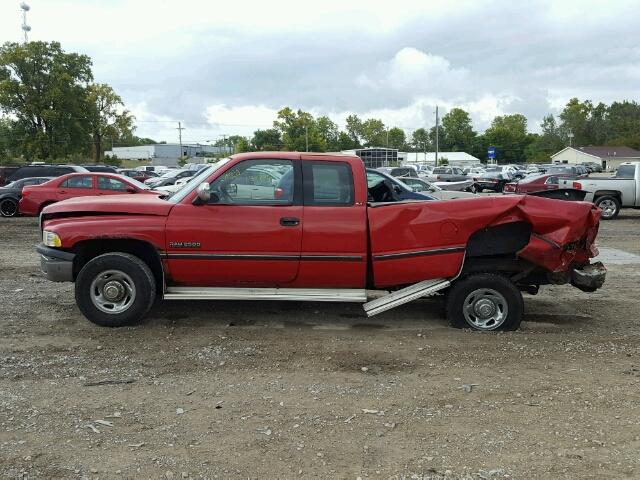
(139, 275)
(9, 207)
(484, 286)
(610, 206)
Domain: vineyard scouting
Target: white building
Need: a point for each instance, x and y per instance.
(454, 158)
(609, 157)
(166, 154)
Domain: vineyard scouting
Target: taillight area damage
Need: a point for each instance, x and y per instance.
(563, 241)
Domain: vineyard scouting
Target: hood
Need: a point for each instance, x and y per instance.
(133, 204)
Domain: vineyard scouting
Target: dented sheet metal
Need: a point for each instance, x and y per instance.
(424, 237)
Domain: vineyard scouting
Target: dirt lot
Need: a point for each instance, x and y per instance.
(222, 389)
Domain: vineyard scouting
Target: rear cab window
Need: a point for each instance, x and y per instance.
(328, 183)
(626, 171)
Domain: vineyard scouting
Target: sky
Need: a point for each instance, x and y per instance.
(225, 68)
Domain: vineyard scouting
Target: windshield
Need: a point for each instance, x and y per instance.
(195, 181)
(170, 174)
(135, 183)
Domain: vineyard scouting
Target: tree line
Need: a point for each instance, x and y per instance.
(581, 123)
(51, 109)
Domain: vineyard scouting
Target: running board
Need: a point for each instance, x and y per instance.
(405, 295)
(292, 294)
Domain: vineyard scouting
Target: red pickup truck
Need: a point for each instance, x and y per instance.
(307, 227)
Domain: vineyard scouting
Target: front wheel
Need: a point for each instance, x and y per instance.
(8, 207)
(115, 289)
(485, 302)
(610, 207)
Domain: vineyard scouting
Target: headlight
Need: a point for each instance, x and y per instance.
(51, 239)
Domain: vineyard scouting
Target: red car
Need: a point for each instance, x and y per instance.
(536, 183)
(308, 227)
(36, 197)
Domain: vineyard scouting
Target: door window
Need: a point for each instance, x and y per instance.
(255, 182)
(552, 181)
(107, 183)
(328, 183)
(78, 182)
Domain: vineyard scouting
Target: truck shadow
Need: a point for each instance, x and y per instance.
(296, 315)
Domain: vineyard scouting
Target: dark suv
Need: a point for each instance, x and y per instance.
(45, 171)
(6, 172)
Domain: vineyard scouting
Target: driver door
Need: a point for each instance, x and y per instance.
(249, 234)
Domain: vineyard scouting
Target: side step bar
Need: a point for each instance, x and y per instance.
(407, 294)
(292, 294)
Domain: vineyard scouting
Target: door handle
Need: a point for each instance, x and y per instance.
(289, 221)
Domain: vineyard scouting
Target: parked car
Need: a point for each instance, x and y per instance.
(36, 197)
(575, 170)
(11, 193)
(202, 243)
(493, 180)
(101, 168)
(383, 187)
(594, 166)
(139, 175)
(536, 183)
(44, 170)
(169, 178)
(611, 194)
(422, 186)
(403, 172)
(447, 174)
(473, 171)
(157, 169)
(5, 172)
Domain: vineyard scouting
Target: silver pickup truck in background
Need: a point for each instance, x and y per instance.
(611, 194)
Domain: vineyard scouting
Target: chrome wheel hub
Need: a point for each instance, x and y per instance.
(608, 208)
(485, 309)
(112, 291)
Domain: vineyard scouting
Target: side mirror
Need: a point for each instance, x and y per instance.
(131, 190)
(204, 192)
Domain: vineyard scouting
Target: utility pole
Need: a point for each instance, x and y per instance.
(437, 134)
(180, 128)
(25, 28)
(387, 138)
(306, 136)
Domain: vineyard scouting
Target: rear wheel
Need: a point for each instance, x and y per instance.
(485, 302)
(115, 289)
(8, 207)
(610, 207)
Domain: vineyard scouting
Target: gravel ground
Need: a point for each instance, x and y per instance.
(293, 390)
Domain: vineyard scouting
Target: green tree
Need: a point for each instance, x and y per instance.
(299, 131)
(508, 134)
(107, 117)
(397, 138)
(550, 141)
(373, 133)
(329, 131)
(420, 140)
(354, 130)
(44, 88)
(266, 140)
(458, 130)
(575, 121)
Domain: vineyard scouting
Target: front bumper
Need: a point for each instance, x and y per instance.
(589, 278)
(56, 264)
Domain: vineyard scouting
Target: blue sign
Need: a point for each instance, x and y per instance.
(491, 152)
